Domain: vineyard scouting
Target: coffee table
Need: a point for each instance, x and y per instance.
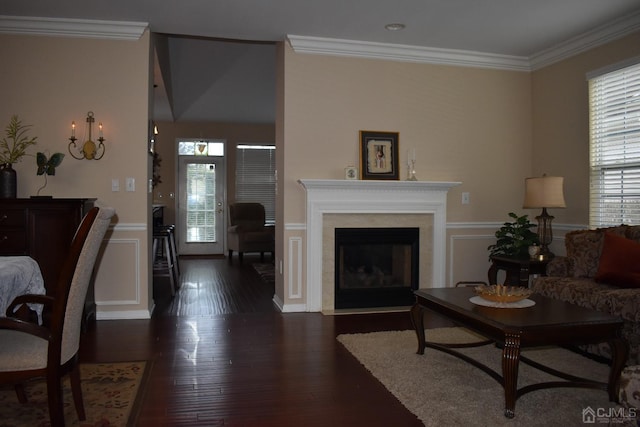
(548, 322)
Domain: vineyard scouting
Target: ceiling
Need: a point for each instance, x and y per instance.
(215, 59)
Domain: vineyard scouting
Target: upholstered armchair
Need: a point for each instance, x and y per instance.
(50, 350)
(247, 231)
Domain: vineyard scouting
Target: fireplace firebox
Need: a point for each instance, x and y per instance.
(376, 267)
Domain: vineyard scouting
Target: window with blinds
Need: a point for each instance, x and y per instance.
(614, 119)
(255, 177)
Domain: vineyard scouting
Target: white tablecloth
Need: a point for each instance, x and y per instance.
(19, 275)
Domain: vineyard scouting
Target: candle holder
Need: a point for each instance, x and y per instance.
(89, 150)
(411, 173)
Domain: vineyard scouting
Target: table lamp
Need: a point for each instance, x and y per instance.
(544, 192)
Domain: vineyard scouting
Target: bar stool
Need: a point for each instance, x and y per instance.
(170, 228)
(162, 243)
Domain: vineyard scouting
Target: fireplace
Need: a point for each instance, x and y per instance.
(356, 203)
(376, 267)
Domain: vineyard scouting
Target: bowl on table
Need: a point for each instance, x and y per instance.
(502, 293)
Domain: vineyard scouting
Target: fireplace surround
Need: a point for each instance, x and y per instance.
(385, 203)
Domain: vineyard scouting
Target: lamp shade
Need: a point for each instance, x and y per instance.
(544, 192)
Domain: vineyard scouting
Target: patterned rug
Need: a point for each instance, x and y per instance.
(267, 272)
(111, 392)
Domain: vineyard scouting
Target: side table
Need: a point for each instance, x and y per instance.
(518, 270)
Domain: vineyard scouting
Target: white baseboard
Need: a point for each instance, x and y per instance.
(288, 308)
(124, 315)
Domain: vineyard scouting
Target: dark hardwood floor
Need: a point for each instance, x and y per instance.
(222, 355)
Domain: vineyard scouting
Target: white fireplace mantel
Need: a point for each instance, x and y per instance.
(328, 196)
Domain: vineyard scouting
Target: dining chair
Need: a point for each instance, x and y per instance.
(50, 350)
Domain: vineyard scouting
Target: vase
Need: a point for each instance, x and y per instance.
(8, 182)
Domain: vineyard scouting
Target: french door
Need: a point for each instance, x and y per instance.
(201, 202)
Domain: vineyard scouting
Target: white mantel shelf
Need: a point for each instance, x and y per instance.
(334, 196)
(346, 184)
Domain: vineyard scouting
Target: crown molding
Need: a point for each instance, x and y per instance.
(123, 30)
(406, 53)
(586, 41)
(596, 37)
(115, 30)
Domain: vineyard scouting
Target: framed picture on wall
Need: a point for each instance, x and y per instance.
(379, 155)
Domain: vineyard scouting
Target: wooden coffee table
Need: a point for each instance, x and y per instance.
(548, 322)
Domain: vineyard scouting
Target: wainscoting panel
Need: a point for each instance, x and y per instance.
(469, 257)
(293, 301)
(294, 273)
(118, 278)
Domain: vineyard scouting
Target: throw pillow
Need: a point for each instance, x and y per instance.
(619, 262)
(584, 248)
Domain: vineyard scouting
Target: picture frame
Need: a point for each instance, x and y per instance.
(379, 155)
(351, 172)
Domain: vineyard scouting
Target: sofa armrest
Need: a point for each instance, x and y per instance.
(560, 266)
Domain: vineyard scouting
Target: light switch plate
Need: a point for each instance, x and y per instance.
(465, 198)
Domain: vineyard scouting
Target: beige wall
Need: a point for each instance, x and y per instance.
(561, 122)
(465, 124)
(488, 129)
(166, 145)
(50, 81)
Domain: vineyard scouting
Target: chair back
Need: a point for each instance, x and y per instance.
(249, 215)
(74, 281)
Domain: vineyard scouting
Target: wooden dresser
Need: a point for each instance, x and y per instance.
(43, 229)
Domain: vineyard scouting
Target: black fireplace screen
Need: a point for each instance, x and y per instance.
(376, 267)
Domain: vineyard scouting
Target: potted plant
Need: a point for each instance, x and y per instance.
(514, 238)
(12, 148)
(47, 167)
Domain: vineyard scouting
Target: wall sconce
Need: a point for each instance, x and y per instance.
(89, 150)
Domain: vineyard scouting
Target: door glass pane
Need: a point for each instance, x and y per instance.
(201, 203)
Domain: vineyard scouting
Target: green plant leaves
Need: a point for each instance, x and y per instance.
(514, 238)
(15, 143)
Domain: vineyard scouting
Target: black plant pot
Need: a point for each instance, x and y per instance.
(8, 182)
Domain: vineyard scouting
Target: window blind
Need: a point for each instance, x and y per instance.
(255, 177)
(614, 120)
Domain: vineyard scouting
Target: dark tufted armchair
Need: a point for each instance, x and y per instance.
(247, 231)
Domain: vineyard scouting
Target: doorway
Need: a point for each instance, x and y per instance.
(201, 203)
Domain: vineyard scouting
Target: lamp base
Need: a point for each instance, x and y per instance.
(545, 233)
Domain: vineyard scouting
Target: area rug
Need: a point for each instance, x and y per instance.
(442, 390)
(111, 393)
(266, 272)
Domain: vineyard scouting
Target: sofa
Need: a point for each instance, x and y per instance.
(601, 270)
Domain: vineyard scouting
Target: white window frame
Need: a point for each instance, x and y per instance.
(614, 142)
